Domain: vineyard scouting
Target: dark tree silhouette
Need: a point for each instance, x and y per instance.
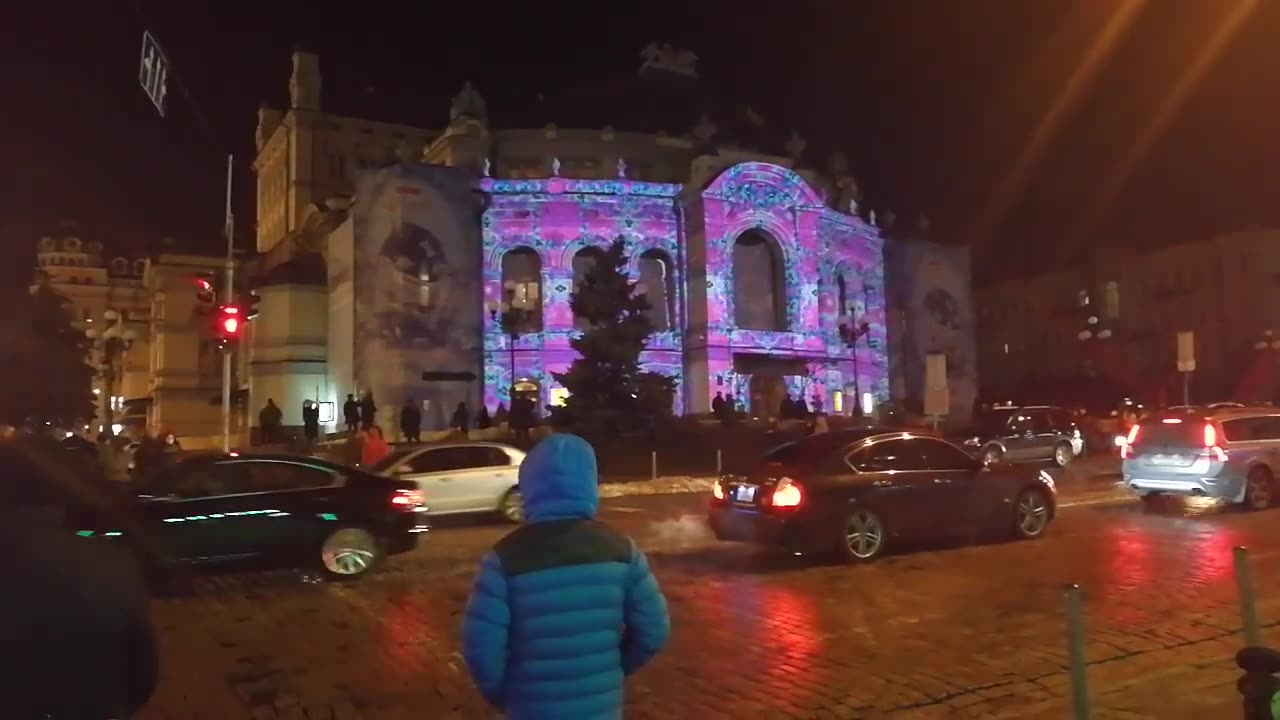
(46, 375)
(607, 389)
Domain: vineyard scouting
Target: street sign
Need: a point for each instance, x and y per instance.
(937, 395)
(153, 74)
(1186, 352)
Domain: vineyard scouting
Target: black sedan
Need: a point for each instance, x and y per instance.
(857, 491)
(283, 508)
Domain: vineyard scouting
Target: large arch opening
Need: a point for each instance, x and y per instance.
(583, 261)
(655, 271)
(759, 282)
(522, 286)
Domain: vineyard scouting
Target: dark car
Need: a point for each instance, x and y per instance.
(1032, 433)
(856, 492)
(293, 509)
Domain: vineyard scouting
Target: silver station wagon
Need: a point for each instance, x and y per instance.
(1228, 453)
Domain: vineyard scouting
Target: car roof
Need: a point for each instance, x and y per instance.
(261, 457)
(453, 443)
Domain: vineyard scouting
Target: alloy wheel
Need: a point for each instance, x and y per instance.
(1062, 455)
(1033, 514)
(864, 534)
(1259, 491)
(510, 507)
(349, 552)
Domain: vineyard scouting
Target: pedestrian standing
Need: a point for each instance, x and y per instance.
(311, 421)
(374, 447)
(564, 607)
(483, 421)
(461, 420)
(411, 421)
(82, 644)
(351, 413)
(269, 419)
(368, 411)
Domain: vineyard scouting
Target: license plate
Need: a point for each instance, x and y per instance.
(745, 493)
(1166, 460)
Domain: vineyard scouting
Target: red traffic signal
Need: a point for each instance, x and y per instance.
(229, 322)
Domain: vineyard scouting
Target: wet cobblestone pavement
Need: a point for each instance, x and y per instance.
(943, 632)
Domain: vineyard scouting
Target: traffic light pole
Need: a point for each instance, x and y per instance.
(229, 298)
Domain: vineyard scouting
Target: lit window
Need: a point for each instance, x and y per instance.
(558, 396)
(837, 401)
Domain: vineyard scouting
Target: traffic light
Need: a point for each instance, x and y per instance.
(229, 323)
(206, 291)
(251, 305)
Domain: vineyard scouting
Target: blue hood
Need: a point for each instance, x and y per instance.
(558, 480)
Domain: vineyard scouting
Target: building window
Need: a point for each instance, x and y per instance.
(522, 285)
(759, 282)
(583, 261)
(659, 287)
(842, 292)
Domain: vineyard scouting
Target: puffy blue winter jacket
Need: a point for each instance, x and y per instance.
(565, 607)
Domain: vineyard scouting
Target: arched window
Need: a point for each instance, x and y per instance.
(759, 282)
(583, 261)
(842, 290)
(659, 286)
(522, 285)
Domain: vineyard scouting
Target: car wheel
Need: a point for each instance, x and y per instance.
(862, 537)
(1030, 514)
(509, 507)
(1062, 454)
(1259, 489)
(992, 455)
(349, 553)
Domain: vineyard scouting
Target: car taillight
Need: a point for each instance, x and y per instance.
(787, 494)
(1211, 446)
(407, 499)
(717, 490)
(1126, 448)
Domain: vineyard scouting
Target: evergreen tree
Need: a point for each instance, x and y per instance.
(607, 388)
(46, 374)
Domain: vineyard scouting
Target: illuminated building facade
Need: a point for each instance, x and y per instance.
(753, 260)
(750, 279)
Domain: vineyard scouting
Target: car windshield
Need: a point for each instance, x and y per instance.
(391, 460)
(1155, 432)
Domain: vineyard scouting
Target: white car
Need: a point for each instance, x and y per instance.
(463, 477)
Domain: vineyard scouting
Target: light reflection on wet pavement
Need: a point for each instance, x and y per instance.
(934, 632)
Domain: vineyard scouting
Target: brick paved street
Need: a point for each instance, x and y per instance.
(952, 632)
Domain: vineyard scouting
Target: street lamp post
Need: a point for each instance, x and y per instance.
(850, 336)
(112, 342)
(512, 319)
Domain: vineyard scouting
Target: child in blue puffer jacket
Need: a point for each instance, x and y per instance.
(565, 607)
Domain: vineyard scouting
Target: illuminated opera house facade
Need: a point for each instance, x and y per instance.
(384, 251)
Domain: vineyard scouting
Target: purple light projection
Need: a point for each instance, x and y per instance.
(816, 244)
(556, 217)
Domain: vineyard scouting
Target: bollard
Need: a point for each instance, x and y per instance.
(1076, 662)
(1244, 587)
(719, 463)
(653, 464)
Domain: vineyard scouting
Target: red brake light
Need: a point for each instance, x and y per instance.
(1211, 443)
(717, 491)
(1126, 448)
(407, 499)
(787, 494)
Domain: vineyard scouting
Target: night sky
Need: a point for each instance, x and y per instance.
(964, 110)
